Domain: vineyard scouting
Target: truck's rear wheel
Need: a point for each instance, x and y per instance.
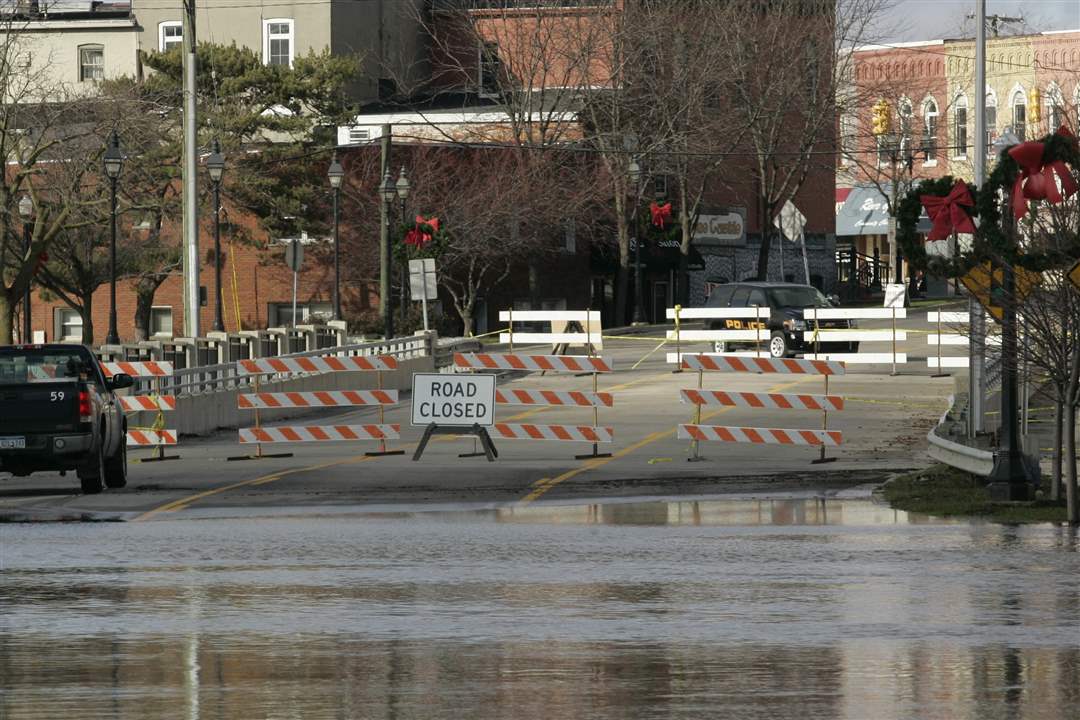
(92, 473)
(116, 468)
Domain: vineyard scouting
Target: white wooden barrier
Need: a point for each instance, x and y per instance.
(590, 336)
(755, 318)
(891, 335)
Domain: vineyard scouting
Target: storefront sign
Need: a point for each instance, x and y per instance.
(727, 230)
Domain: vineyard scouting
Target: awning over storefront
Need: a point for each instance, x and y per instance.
(862, 210)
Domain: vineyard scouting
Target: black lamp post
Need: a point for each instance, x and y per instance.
(402, 187)
(114, 162)
(387, 191)
(336, 173)
(215, 166)
(633, 171)
(26, 210)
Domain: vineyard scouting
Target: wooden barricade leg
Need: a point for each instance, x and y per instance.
(824, 427)
(596, 422)
(696, 444)
(940, 370)
(894, 373)
(382, 419)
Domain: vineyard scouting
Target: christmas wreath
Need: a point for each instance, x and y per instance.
(424, 238)
(1034, 170)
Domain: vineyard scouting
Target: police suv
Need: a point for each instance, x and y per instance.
(786, 324)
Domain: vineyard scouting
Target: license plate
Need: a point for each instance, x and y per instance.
(8, 443)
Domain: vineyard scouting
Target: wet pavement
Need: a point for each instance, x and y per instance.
(742, 608)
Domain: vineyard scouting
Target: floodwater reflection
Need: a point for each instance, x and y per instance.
(748, 609)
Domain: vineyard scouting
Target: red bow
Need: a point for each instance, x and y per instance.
(1037, 178)
(660, 214)
(418, 236)
(948, 212)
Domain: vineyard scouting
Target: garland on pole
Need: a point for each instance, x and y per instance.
(1030, 171)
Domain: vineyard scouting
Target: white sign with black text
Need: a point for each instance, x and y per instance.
(463, 400)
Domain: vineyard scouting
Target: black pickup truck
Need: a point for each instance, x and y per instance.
(58, 412)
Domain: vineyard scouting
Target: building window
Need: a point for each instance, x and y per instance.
(904, 113)
(569, 237)
(960, 127)
(930, 126)
(69, 325)
(161, 324)
(489, 69)
(170, 35)
(280, 314)
(1019, 115)
(278, 42)
(91, 62)
(1055, 113)
(359, 135)
(991, 124)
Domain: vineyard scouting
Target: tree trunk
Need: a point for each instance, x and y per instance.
(7, 319)
(87, 314)
(683, 282)
(144, 302)
(622, 278)
(766, 240)
(466, 313)
(1059, 420)
(1070, 450)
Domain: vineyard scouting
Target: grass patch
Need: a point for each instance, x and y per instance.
(946, 492)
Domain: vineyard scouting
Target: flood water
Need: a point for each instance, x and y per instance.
(732, 609)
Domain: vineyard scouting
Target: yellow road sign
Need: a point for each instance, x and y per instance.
(980, 284)
(1074, 274)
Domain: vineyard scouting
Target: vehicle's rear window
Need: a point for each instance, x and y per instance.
(721, 296)
(797, 297)
(30, 366)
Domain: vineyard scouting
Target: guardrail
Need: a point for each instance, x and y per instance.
(219, 377)
(954, 454)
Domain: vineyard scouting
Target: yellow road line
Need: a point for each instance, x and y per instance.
(647, 440)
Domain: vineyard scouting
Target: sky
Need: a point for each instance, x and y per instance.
(935, 19)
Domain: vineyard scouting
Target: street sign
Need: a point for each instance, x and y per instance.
(459, 400)
(980, 284)
(422, 280)
(895, 295)
(294, 255)
(1074, 274)
(792, 223)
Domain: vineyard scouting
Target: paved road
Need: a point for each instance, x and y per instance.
(884, 423)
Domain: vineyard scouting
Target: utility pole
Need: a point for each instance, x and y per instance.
(190, 188)
(976, 316)
(386, 301)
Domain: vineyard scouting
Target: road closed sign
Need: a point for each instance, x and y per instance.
(453, 399)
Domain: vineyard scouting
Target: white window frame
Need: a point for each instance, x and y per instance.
(1018, 98)
(58, 321)
(991, 128)
(151, 329)
(161, 33)
(482, 61)
(928, 103)
(961, 103)
(87, 47)
(266, 38)
(849, 140)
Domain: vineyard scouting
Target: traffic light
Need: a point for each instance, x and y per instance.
(1035, 106)
(882, 119)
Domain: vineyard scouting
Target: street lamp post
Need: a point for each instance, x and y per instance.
(336, 173)
(387, 191)
(114, 162)
(634, 173)
(215, 166)
(26, 210)
(402, 187)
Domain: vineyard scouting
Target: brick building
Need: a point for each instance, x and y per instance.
(927, 89)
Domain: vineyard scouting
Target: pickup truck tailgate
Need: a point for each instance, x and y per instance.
(39, 407)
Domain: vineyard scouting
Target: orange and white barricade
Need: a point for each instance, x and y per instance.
(156, 435)
(700, 397)
(747, 325)
(257, 401)
(577, 364)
